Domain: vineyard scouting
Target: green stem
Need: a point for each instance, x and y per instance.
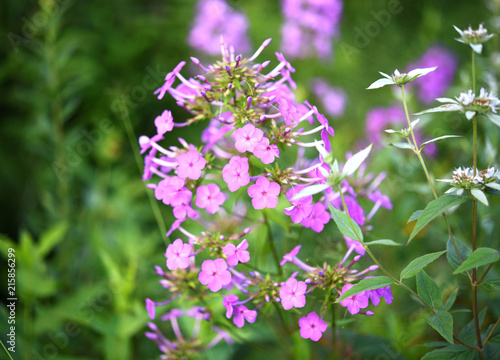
(491, 332)
(474, 278)
(135, 149)
(272, 244)
(333, 349)
(474, 144)
(473, 73)
(484, 275)
(6, 350)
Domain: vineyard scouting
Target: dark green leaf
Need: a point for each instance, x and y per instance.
(491, 284)
(50, 238)
(428, 290)
(480, 257)
(415, 216)
(435, 208)
(419, 263)
(376, 282)
(442, 322)
(468, 332)
(451, 300)
(383, 242)
(463, 249)
(452, 352)
(346, 224)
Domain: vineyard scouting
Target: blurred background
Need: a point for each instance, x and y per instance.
(77, 80)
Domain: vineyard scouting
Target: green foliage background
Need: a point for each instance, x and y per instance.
(75, 74)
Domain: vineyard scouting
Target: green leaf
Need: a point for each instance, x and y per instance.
(442, 322)
(428, 290)
(50, 238)
(403, 145)
(495, 119)
(437, 139)
(383, 242)
(452, 352)
(491, 284)
(468, 332)
(376, 282)
(480, 257)
(463, 250)
(415, 216)
(346, 224)
(419, 263)
(435, 208)
(451, 300)
(479, 195)
(355, 161)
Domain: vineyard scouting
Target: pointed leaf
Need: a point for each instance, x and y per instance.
(50, 238)
(495, 186)
(311, 190)
(470, 114)
(478, 194)
(380, 83)
(383, 242)
(428, 290)
(451, 352)
(376, 282)
(437, 139)
(346, 225)
(415, 73)
(450, 301)
(435, 208)
(468, 332)
(355, 161)
(415, 216)
(442, 322)
(442, 108)
(477, 47)
(406, 146)
(463, 250)
(495, 119)
(419, 263)
(491, 284)
(480, 257)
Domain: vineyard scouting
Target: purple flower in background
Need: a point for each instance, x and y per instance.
(333, 99)
(312, 327)
(292, 294)
(354, 303)
(214, 274)
(379, 118)
(309, 27)
(237, 254)
(435, 84)
(229, 302)
(215, 18)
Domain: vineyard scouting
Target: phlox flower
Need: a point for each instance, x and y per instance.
(164, 122)
(317, 219)
(312, 327)
(301, 208)
(235, 173)
(174, 191)
(289, 257)
(264, 193)
(265, 151)
(214, 274)
(292, 294)
(209, 197)
(190, 164)
(242, 313)
(247, 137)
(229, 302)
(354, 303)
(236, 254)
(178, 255)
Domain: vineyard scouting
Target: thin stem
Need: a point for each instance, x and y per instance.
(135, 149)
(474, 277)
(273, 247)
(408, 118)
(6, 350)
(473, 73)
(474, 143)
(491, 332)
(484, 275)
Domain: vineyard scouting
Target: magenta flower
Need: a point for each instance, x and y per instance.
(247, 137)
(317, 219)
(265, 151)
(175, 192)
(241, 313)
(236, 254)
(235, 173)
(178, 255)
(354, 303)
(151, 308)
(184, 210)
(289, 112)
(190, 164)
(164, 122)
(301, 208)
(264, 193)
(312, 327)
(376, 294)
(289, 257)
(229, 303)
(209, 197)
(214, 274)
(292, 294)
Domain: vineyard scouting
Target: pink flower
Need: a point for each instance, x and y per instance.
(358, 247)
(289, 112)
(235, 173)
(172, 191)
(247, 137)
(178, 255)
(236, 254)
(229, 303)
(209, 197)
(183, 210)
(214, 274)
(317, 219)
(312, 327)
(190, 164)
(164, 122)
(376, 294)
(264, 193)
(241, 313)
(354, 303)
(301, 208)
(151, 308)
(292, 294)
(289, 257)
(266, 152)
